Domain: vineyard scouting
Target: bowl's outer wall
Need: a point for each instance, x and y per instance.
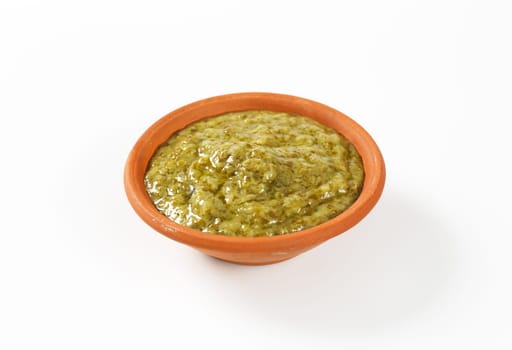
(260, 250)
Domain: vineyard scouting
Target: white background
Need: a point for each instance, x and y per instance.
(430, 267)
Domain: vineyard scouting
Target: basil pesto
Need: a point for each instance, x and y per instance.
(254, 173)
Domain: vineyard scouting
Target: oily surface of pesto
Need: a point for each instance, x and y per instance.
(254, 173)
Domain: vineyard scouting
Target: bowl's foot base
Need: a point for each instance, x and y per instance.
(252, 263)
(248, 259)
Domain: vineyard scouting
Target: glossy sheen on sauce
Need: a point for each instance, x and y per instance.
(254, 173)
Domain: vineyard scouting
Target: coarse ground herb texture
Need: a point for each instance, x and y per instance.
(254, 173)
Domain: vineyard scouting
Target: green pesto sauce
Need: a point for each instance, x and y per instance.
(254, 173)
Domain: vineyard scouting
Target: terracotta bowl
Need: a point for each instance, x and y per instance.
(254, 250)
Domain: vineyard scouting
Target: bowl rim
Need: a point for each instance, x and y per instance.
(373, 164)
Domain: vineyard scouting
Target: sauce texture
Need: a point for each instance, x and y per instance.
(254, 173)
